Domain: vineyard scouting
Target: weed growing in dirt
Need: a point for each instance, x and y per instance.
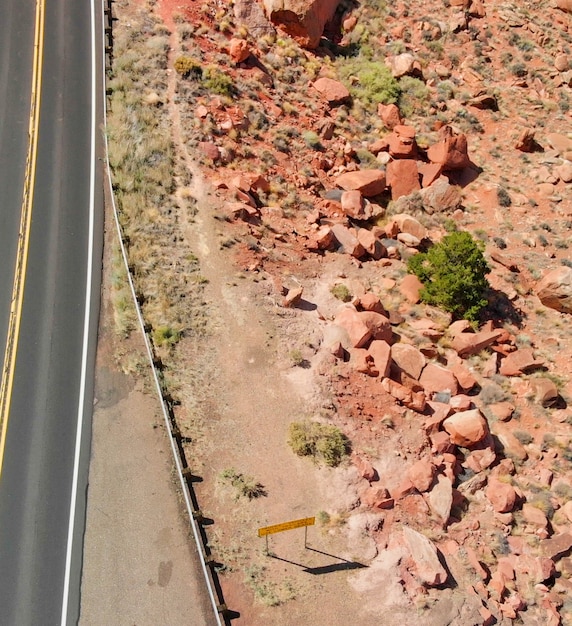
(246, 486)
(323, 442)
(341, 292)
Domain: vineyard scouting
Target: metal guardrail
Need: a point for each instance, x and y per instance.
(222, 614)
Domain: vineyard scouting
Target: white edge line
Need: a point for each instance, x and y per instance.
(174, 450)
(86, 324)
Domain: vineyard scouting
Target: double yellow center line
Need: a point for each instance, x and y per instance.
(9, 365)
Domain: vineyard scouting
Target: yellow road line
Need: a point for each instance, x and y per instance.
(9, 366)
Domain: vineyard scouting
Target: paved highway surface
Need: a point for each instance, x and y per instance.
(49, 398)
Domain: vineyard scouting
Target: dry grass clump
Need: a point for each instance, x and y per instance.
(144, 170)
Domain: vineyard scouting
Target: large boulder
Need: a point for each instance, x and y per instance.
(402, 177)
(466, 428)
(331, 90)
(441, 196)
(408, 359)
(303, 20)
(426, 558)
(369, 182)
(451, 151)
(555, 289)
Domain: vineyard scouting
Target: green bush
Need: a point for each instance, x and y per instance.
(188, 67)
(323, 442)
(453, 273)
(218, 82)
(413, 97)
(374, 82)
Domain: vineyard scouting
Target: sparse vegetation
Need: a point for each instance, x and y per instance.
(341, 292)
(246, 486)
(323, 442)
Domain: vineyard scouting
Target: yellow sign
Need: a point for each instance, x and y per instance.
(278, 528)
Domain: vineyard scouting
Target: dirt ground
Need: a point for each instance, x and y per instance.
(238, 390)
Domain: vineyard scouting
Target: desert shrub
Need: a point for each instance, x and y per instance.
(492, 393)
(341, 292)
(374, 83)
(218, 82)
(165, 336)
(503, 197)
(413, 96)
(245, 486)
(524, 437)
(453, 273)
(312, 140)
(188, 67)
(323, 442)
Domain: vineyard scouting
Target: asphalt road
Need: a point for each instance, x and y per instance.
(16, 45)
(37, 473)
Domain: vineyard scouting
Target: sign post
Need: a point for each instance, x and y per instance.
(279, 528)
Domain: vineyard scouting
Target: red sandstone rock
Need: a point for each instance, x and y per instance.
(435, 378)
(425, 556)
(555, 289)
(408, 224)
(441, 196)
(389, 114)
(430, 172)
(371, 302)
(502, 410)
(365, 468)
(451, 151)
(556, 546)
(466, 428)
(545, 391)
(519, 362)
(378, 325)
(441, 498)
(410, 287)
(363, 362)
(239, 50)
(303, 21)
(371, 244)
(464, 376)
(331, 90)
(381, 353)
(402, 178)
(422, 474)
(402, 144)
(534, 515)
(502, 496)
(348, 241)
(408, 359)
(466, 344)
(369, 182)
(323, 239)
(358, 332)
(353, 204)
(293, 297)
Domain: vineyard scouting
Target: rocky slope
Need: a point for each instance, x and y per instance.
(335, 162)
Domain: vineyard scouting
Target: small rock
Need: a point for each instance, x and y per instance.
(292, 298)
(410, 287)
(502, 496)
(545, 391)
(422, 474)
(239, 50)
(389, 114)
(441, 498)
